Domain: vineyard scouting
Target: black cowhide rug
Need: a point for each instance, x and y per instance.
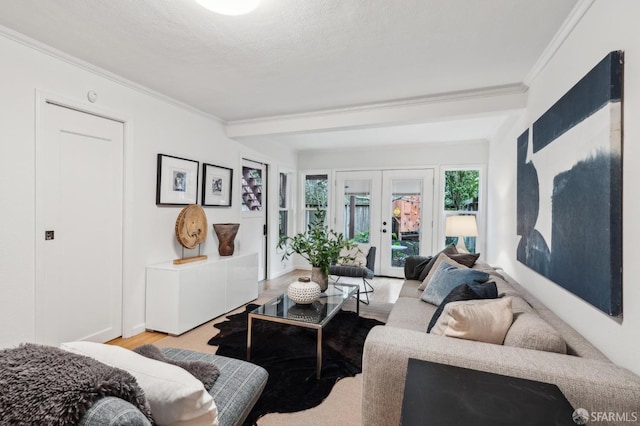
(288, 353)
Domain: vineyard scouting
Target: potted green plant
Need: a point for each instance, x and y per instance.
(319, 245)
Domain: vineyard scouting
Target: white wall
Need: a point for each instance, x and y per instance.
(158, 126)
(607, 26)
(435, 154)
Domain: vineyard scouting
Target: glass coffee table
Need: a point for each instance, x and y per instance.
(316, 315)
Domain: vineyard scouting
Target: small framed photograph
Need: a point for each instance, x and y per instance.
(217, 185)
(177, 181)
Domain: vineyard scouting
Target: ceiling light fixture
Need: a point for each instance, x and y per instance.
(229, 7)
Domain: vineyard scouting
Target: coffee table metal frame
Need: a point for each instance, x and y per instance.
(283, 304)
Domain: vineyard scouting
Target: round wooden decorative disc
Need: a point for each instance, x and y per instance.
(191, 226)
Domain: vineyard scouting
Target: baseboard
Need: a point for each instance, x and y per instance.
(283, 272)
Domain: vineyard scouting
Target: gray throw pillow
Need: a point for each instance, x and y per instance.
(446, 278)
(466, 259)
(413, 266)
(450, 249)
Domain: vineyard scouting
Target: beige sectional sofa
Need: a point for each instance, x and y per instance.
(538, 346)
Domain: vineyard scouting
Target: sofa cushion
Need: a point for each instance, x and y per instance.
(529, 331)
(465, 292)
(410, 289)
(450, 249)
(410, 313)
(105, 410)
(237, 389)
(446, 278)
(473, 320)
(175, 396)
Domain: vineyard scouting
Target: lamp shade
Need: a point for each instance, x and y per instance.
(461, 226)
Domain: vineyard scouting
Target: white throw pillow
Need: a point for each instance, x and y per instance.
(174, 395)
(359, 257)
(485, 320)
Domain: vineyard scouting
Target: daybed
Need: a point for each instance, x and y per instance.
(107, 385)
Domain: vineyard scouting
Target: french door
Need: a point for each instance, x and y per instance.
(389, 209)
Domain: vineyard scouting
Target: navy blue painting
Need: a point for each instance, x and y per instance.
(569, 189)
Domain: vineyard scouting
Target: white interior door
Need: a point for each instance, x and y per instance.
(79, 193)
(389, 209)
(253, 230)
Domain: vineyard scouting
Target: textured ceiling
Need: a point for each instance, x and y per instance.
(292, 56)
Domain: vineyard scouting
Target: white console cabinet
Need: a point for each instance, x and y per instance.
(181, 297)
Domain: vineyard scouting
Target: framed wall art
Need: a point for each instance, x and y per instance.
(217, 185)
(177, 181)
(569, 189)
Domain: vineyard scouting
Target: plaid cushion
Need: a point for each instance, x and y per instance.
(236, 390)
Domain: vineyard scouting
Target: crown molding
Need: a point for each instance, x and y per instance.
(575, 16)
(101, 72)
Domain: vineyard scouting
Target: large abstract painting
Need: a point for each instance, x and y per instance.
(569, 190)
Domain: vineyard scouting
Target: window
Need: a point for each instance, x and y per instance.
(283, 205)
(461, 198)
(316, 196)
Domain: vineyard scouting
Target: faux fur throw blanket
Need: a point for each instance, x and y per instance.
(206, 372)
(49, 386)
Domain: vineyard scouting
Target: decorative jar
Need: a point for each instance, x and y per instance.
(304, 291)
(226, 233)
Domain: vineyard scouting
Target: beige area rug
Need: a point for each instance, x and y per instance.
(342, 406)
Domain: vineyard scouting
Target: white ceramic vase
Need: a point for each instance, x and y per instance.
(304, 291)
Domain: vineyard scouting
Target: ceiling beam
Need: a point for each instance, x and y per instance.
(418, 110)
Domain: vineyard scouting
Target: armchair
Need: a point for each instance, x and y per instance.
(364, 272)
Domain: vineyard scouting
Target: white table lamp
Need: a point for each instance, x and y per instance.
(461, 226)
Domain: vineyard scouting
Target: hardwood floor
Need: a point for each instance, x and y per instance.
(387, 290)
(143, 338)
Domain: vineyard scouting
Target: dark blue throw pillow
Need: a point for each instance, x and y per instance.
(465, 292)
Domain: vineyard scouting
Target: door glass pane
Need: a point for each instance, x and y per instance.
(406, 214)
(357, 210)
(251, 189)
